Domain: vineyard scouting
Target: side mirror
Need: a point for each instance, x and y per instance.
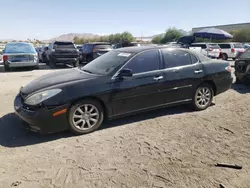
(125, 73)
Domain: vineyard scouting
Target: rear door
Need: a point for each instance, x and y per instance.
(182, 74)
(144, 89)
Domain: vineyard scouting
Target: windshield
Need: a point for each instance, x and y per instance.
(107, 63)
(246, 54)
(19, 48)
(238, 46)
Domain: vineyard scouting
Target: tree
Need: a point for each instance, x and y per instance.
(241, 35)
(157, 39)
(171, 35)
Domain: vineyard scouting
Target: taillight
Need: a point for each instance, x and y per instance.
(94, 50)
(228, 68)
(232, 50)
(210, 49)
(220, 49)
(5, 58)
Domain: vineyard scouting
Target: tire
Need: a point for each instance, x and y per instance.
(203, 97)
(76, 64)
(36, 67)
(52, 64)
(78, 123)
(6, 68)
(224, 56)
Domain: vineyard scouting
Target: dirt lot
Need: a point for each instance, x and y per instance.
(173, 147)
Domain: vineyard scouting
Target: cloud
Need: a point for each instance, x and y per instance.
(38, 34)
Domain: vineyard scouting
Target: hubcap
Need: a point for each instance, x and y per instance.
(85, 117)
(203, 96)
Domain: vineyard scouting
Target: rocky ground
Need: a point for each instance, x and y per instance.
(173, 147)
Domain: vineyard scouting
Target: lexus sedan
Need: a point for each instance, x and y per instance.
(19, 54)
(121, 82)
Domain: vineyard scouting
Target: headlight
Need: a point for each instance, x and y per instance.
(41, 96)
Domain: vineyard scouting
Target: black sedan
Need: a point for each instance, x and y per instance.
(121, 82)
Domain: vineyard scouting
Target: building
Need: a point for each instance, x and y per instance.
(228, 28)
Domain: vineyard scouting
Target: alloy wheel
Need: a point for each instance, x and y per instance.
(85, 117)
(203, 97)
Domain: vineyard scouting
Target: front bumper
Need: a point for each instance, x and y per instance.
(41, 119)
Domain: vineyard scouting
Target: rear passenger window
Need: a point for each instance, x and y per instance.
(144, 62)
(176, 58)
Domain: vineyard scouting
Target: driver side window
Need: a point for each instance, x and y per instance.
(144, 62)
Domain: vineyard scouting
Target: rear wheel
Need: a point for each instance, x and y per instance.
(224, 56)
(86, 116)
(203, 97)
(6, 68)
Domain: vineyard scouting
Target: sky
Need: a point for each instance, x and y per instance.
(45, 19)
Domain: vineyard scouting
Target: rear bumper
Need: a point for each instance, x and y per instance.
(64, 59)
(42, 120)
(21, 64)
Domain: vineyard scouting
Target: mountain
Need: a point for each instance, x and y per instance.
(71, 36)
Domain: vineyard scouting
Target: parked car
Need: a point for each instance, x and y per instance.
(121, 82)
(63, 53)
(19, 54)
(230, 50)
(209, 49)
(242, 67)
(93, 50)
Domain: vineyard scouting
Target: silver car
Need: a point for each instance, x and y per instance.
(19, 54)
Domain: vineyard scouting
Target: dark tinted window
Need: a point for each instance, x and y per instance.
(214, 46)
(147, 61)
(64, 45)
(203, 46)
(224, 46)
(176, 58)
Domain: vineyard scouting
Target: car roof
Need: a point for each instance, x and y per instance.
(18, 43)
(138, 49)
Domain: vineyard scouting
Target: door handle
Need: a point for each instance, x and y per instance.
(198, 71)
(158, 78)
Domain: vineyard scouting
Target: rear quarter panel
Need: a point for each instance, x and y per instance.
(215, 70)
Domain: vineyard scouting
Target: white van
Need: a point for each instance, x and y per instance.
(230, 50)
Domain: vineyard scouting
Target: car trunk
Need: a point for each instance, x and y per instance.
(65, 50)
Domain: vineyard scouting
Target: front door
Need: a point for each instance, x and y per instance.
(143, 89)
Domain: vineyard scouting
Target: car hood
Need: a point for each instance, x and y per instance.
(56, 78)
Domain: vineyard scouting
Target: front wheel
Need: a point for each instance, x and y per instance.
(86, 116)
(203, 97)
(52, 64)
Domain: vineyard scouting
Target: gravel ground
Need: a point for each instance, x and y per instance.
(172, 147)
